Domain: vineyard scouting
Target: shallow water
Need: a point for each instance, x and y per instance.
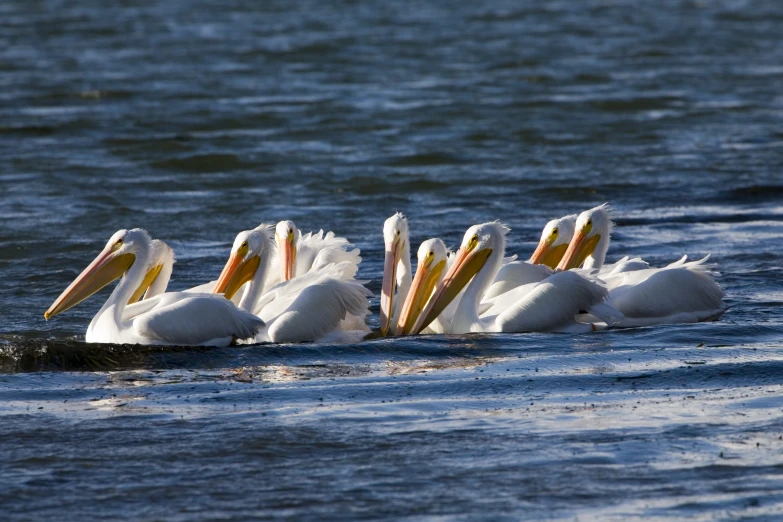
(196, 121)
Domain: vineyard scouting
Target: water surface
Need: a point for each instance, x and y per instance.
(196, 120)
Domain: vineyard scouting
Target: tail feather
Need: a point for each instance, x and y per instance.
(607, 313)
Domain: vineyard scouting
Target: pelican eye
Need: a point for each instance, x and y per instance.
(589, 221)
(474, 238)
(290, 230)
(244, 245)
(431, 253)
(554, 232)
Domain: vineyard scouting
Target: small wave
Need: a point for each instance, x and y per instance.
(34, 130)
(754, 193)
(634, 104)
(700, 218)
(426, 159)
(365, 185)
(202, 163)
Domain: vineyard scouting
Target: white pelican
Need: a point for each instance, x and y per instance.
(512, 273)
(592, 250)
(553, 243)
(169, 318)
(433, 260)
(549, 305)
(678, 293)
(298, 254)
(396, 271)
(307, 308)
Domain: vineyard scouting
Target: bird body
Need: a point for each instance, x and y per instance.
(680, 292)
(168, 318)
(306, 308)
(544, 306)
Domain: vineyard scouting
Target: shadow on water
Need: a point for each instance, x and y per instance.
(34, 355)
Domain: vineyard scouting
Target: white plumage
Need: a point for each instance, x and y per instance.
(515, 274)
(310, 307)
(554, 240)
(680, 292)
(298, 288)
(179, 317)
(312, 251)
(162, 260)
(173, 318)
(397, 275)
(549, 305)
(316, 312)
(161, 267)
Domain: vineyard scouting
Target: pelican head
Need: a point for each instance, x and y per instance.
(432, 258)
(477, 245)
(113, 262)
(249, 249)
(395, 235)
(591, 226)
(554, 241)
(160, 255)
(286, 235)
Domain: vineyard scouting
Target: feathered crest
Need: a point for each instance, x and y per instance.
(161, 249)
(139, 231)
(504, 229)
(268, 229)
(602, 212)
(607, 209)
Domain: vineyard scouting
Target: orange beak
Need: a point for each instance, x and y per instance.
(389, 285)
(236, 273)
(548, 255)
(287, 252)
(580, 247)
(149, 278)
(421, 290)
(103, 270)
(467, 264)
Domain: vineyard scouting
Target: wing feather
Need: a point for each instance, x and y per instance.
(318, 310)
(348, 260)
(310, 245)
(515, 274)
(551, 304)
(207, 288)
(278, 298)
(196, 319)
(667, 292)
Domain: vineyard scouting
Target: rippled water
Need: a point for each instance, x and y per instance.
(196, 120)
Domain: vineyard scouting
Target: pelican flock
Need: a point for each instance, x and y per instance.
(279, 285)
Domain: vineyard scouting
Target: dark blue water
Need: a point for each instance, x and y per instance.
(196, 120)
